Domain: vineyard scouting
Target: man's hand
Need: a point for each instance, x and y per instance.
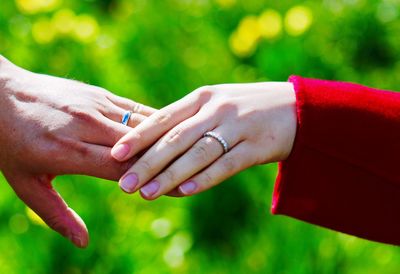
(51, 126)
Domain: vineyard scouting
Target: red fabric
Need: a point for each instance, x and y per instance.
(344, 170)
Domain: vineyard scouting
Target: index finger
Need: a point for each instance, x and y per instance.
(154, 127)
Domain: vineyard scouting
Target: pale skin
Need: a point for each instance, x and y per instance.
(51, 126)
(257, 120)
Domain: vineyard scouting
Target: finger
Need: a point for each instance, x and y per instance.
(99, 163)
(130, 105)
(236, 160)
(175, 193)
(198, 157)
(170, 146)
(156, 125)
(39, 195)
(116, 114)
(102, 131)
(89, 159)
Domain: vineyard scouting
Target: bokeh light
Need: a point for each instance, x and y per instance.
(43, 31)
(270, 24)
(86, 28)
(155, 52)
(36, 6)
(298, 20)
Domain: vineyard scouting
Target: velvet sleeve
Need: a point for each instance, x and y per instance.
(344, 170)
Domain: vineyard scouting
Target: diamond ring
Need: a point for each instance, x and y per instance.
(219, 138)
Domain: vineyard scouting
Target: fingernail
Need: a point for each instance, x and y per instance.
(150, 189)
(188, 187)
(120, 151)
(76, 240)
(129, 182)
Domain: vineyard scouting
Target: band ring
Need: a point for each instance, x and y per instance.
(125, 118)
(219, 138)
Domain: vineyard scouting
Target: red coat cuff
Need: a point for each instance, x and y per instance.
(343, 171)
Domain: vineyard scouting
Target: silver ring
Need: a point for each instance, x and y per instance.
(125, 118)
(219, 138)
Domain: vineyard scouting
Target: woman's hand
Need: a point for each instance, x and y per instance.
(51, 126)
(258, 121)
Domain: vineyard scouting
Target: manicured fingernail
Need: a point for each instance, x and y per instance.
(129, 182)
(150, 189)
(188, 187)
(120, 151)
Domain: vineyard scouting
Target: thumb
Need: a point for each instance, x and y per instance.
(37, 193)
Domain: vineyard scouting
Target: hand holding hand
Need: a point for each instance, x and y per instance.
(257, 121)
(51, 126)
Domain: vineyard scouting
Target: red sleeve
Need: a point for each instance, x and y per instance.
(344, 170)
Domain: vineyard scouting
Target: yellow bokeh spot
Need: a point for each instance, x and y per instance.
(34, 217)
(226, 3)
(43, 31)
(64, 21)
(241, 47)
(86, 28)
(249, 29)
(298, 20)
(36, 6)
(270, 24)
(244, 41)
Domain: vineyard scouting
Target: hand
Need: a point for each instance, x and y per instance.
(258, 121)
(51, 126)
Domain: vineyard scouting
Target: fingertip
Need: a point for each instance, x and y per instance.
(120, 151)
(79, 240)
(175, 193)
(150, 190)
(78, 233)
(129, 182)
(188, 188)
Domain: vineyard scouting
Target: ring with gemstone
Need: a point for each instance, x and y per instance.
(125, 118)
(219, 138)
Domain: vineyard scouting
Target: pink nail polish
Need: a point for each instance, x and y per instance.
(129, 182)
(120, 151)
(150, 189)
(188, 187)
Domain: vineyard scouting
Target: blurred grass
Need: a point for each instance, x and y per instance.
(155, 52)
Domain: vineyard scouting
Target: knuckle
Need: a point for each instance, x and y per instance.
(80, 114)
(145, 166)
(229, 164)
(137, 107)
(162, 118)
(60, 148)
(169, 175)
(174, 135)
(56, 223)
(135, 120)
(226, 106)
(200, 152)
(206, 179)
(103, 159)
(125, 166)
(203, 94)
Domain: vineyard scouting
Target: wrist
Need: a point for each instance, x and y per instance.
(289, 102)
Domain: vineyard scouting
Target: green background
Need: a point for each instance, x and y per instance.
(155, 52)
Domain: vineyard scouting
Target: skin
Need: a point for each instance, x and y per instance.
(258, 121)
(52, 126)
